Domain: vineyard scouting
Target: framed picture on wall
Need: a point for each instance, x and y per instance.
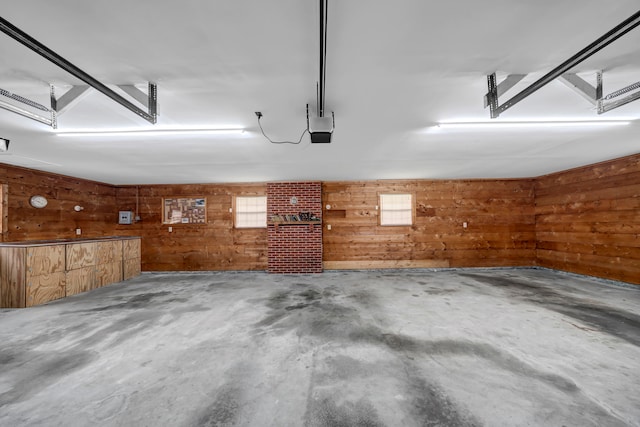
(184, 210)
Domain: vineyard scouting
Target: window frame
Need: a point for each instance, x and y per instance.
(412, 207)
(236, 211)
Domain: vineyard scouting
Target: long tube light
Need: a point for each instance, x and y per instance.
(151, 132)
(540, 124)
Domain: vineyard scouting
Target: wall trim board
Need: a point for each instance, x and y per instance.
(382, 264)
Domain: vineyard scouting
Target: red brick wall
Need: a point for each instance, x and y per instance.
(294, 248)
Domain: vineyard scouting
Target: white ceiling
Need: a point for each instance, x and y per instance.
(394, 68)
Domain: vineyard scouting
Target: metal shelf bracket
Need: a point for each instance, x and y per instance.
(36, 113)
(20, 36)
(491, 99)
(591, 93)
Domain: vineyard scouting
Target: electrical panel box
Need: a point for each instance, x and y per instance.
(125, 217)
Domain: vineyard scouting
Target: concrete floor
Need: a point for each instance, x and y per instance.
(503, 347)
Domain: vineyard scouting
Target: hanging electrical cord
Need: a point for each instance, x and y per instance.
(319, 128)
(259, 116)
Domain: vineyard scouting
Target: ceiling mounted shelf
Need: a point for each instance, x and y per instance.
(20, 36)
(562, 70)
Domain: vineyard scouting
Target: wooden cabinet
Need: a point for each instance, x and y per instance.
(81, 272)
(132, 258)
(109, 262)
(45, 274)
(33, 273)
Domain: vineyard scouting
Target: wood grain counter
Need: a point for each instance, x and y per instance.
(35, 272)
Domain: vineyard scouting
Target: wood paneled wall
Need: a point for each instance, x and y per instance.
(585, 220)
(216, 245)
(499, 215)
(588, 220)
(58, 219)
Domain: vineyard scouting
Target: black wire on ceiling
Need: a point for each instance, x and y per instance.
(259, 115)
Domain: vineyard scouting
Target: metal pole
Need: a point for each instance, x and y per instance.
(321, 82)
(53, 57)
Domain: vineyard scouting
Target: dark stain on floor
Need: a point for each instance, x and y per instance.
(431, 406)
(338, 319)
(607, 319)
(436, 291)
(224, 410)
(151, 299)
(325, 412)
(33, 371)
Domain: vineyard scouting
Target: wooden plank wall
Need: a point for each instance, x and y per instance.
(588, 220)
(57, 219)
(499, 214)
(585, 220)
(216, 245)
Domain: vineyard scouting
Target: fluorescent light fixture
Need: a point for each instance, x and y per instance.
(4, 144)
(540, 124)
(151, 132)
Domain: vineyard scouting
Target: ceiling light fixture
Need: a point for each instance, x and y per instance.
(539, 124)
(151, 132)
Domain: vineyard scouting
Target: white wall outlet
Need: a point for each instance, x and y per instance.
(328, 226)
(464, 224)
(170, 229)
(78, 231)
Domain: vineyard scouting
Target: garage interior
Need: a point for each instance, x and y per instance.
(503, 291)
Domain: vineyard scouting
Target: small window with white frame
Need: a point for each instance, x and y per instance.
(396, 209)
(251, 212)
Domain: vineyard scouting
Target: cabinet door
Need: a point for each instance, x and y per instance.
(131, 268)
(81, 280)
(131, 249)
(45, 260)
(108, 252)
(12, 277)
(45, 288)
(108, 273)
(81, 255)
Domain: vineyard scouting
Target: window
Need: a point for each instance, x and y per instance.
(251, 212)
(396, 209)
